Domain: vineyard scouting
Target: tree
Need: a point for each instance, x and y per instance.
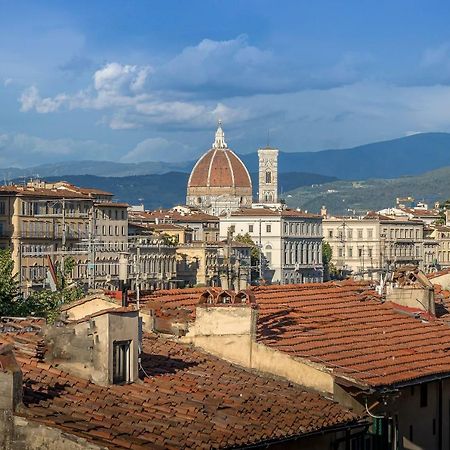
(44, 303)
(329, 270)
(254, 253)
(9, 286)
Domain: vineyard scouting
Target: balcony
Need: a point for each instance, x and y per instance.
(54, 235)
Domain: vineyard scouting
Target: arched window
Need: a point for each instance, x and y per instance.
(268, 177)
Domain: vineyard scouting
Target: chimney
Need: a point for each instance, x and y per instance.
(447, 217)
(412, 289)
(123, 277)
(225, 325)
(10, 380)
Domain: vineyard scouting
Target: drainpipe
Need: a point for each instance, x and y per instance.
(440, 388)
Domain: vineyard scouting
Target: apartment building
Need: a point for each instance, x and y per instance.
(290, 242)
(226, 264)
(44, 222)
(364, 246)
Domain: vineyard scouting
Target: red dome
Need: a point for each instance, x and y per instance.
(220, 167)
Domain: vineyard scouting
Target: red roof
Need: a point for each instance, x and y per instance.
(188, 399)
(219, 167)
(344, 327)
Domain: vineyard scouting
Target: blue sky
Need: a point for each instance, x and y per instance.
(147, 80)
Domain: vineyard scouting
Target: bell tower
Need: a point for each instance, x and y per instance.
(268, 175)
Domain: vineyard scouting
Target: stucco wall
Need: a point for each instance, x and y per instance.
(229, 333)
(19, 433)
(92, 306)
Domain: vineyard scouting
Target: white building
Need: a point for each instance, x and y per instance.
(367, 245)
(291, 242)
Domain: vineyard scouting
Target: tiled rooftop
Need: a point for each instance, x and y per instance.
(187, 399)
(343, 326)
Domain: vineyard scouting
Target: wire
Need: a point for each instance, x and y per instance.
(372, 415)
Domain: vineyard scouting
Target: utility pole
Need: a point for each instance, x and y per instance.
(63, 236)
(138, 273)
(260, 250)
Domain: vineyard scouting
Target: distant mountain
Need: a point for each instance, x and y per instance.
(409, 155)
(166, 190)
(373, 194)
(97, 168)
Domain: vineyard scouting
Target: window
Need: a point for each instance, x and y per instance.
(268, 228)
(360, 234)
(330, 233)
(350, 233)
(2, 208)
(268, 177)
(360, 252)
(250, 228)
(121, 362)
(350, 252)
(423, 395)
(370, 233)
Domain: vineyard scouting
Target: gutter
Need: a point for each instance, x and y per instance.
(264, 444)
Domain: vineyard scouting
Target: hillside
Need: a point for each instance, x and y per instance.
(373, 194)
(165, 190)
(411, 155)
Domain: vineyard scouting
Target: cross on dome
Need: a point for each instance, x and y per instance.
(219, 142)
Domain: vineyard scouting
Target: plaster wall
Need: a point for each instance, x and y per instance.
(19, 433)
(229, 333)
(95, 305)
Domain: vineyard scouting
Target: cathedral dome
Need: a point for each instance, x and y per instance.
(220, 167)
(219, 176)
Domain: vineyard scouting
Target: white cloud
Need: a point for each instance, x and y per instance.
(121, 89)
(7, 82)
(31, 99)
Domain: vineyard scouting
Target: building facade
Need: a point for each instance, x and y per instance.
(290, 242)
(45, 223)
(367, 246)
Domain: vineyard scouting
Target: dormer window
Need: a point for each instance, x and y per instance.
(121, 362)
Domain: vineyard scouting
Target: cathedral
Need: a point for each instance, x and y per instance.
(220, 183)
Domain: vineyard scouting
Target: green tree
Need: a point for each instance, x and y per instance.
(44, 303)
(329, 270)
(9, 286)
(254, 253)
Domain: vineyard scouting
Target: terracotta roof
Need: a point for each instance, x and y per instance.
(59, 190)
(438, 273)
(172, 216)
(188, 399)
(344, 327)
(422, 212)
(219, 167)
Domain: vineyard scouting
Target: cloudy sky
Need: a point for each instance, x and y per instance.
(147, 80)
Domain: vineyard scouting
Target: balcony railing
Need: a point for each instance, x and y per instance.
(29, 234)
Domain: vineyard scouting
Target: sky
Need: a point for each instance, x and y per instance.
(135, 81)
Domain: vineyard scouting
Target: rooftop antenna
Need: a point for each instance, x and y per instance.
(268, 138)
